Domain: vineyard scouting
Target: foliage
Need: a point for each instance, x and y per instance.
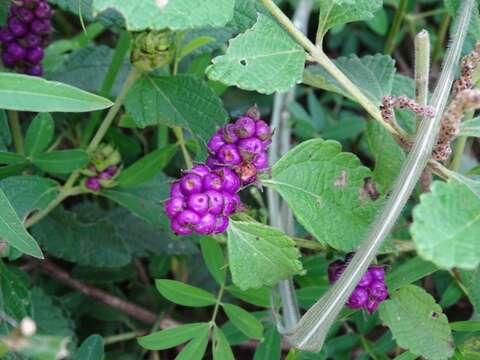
(90, 268)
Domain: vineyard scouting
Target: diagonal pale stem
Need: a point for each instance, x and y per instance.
(312, 329)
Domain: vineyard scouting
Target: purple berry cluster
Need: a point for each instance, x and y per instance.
(95, 182)
(371, 290)
(242, 146)
(202, 200)
(23, 38)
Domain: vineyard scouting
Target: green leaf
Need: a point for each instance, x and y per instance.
(13, 232)
(214, 259)
(145, 201)
(154, 100)
(389, 156)
(244, 321)
(9, 158)
(91, 349)
(373, 74)
(269, 348)
(65, 234)
(417, 323)
(184, 294)
(172, 337)
(446, 226)
(260, 255)
(264, 58)
(329, 191)
(39, 134)
(220, 347)
(176, 15)
(468, 326)
(5, 136)
(147, 167)
(29, 93)
(471, 281)
(470, 128)
(407, 273)
(337, 12)
(44, 347)
(259, 297)
(196, 348)
(61, 161)
(29, 193)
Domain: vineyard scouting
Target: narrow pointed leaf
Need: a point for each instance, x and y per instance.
(184, 294)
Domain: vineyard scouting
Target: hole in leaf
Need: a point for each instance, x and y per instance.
(243, 62)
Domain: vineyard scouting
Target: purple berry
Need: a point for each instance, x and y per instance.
(372, 305)
(230, 204)
(266, 144)
(198, 203)
(16, 51)
(179, 229)
(16, 27)
(43, 10)
(34, 55)
(378, 291)
(358, 298)
(112, 170)
(250, 148)
(188, 218)
(191, 184)
(32, 40)
(41, 26)
(35, 70)
(215, 202)
(174, 206)
(215, 143)
(261, 162)
(221, 224)
(6, 35)
(229, 155)
(104, 175)
(212, 182)
(229, 134)
(378, 273)
(200, 169)
(25, 15)
(262, 130)
(207, 223)
(245, 127)
(212, 163)
(335, 269)
(366, 280)
(92, 183)
(8, 60)
(230, 181)
(176, 190)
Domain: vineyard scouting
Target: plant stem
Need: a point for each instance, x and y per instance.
(16, 131)
(112, 113)
(459, 147)
(113, 339)
(64, 193)
(217, 304)
(442, 34)
(397, 22)
(178, 131)
(422, 69)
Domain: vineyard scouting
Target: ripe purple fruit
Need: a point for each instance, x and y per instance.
(230, 204)
(229, 134)
(245, 127)
(25, 15)
(335, 269)
(261, 162)
(43, 10)
(221, 224)
(6, 35)
(378, 290)
(41, 26)
(262, 130)
(229, 155)
(179, 229)
(200, 169)
(230, 181)
(250, 148)
(32, 40)
(191, 184)
(8, 60)
(215, 143)
(188, 218)
(34, 55)
(378, 273)
(92, 183)
(212, 182)
(198, 203)
(176, 190)
(16, 51)
(16, 27)
(358, 299)
(207, 224)
(215, 202)
(35, 70)
(366, 280)
(174, 206)
(372, 305)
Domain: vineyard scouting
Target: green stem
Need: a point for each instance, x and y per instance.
(123, 46)
(217, 304)
(397, 22)
(16, 132)
(422, 69)
(113, 339)
(64, 193)
(442, 34)
(458, 152)
(178, 131)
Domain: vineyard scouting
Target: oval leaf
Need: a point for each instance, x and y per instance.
(9, 158)
(214, 259)
(39, 134)
(29, 93)
(184, 294)
(244, 321)
(169, 338)
(195, 349)
(91, 349)
(220, 346)
(61, 161)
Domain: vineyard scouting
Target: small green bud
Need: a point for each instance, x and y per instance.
(152, 49)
